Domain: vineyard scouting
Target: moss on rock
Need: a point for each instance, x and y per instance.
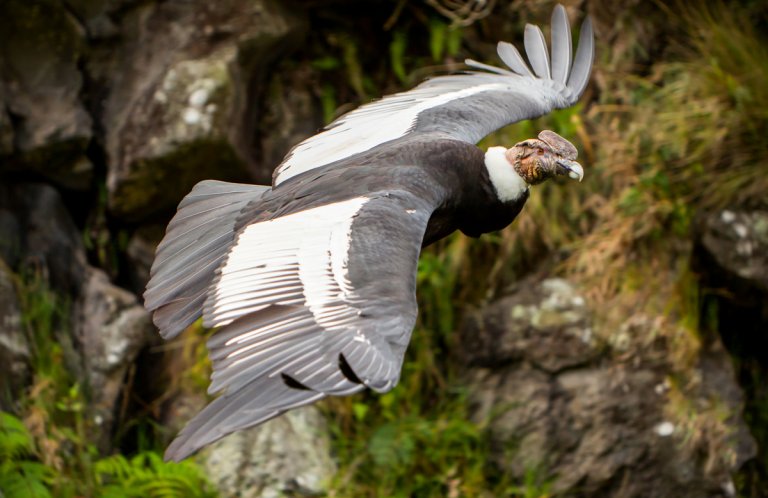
(157, 185)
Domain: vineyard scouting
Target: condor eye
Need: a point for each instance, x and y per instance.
(541, 152)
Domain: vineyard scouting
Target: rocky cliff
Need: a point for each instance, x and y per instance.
(609, 343)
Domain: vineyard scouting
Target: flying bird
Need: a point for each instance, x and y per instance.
(311, 282)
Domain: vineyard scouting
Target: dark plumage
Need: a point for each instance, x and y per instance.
(312, 282)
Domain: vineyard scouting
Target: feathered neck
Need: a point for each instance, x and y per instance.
(506, 181)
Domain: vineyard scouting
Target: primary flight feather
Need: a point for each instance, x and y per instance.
(311, 282)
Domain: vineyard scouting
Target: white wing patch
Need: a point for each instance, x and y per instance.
(373, 124)
(300, 258)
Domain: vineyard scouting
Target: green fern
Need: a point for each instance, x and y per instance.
(25, 479)
(20, 477)
(146, 475)
(15, 440)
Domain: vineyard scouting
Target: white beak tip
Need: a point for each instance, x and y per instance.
(576, 171)
(575, 175)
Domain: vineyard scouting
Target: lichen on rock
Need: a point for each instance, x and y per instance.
(187, 113)
(588, 419)
(737, 241)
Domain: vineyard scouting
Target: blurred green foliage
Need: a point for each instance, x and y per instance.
(50, 452)
(21, 475)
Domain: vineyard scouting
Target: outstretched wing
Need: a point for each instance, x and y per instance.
(465, 106)
(320, 302)
(196, 240)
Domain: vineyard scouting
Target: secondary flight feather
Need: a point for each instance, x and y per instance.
(311, 283)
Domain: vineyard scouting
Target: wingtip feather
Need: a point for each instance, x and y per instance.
(536, 49)
(486, 67)
(512, 58)
(582, 64)
(562, 45)
(560, 65)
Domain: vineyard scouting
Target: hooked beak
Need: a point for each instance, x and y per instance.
(570, 168)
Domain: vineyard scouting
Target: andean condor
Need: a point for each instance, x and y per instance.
(311, 282)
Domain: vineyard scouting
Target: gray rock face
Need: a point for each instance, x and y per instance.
(558, 403)
(98, 16)
(551, 329)
(111, 328)
(40, 85)
(737, 242)
(14, 346)
(183, 108)
(289, 455)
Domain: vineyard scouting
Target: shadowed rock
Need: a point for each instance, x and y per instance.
(14, 347)
(37, 231)
(44, 127)
(731, 258)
